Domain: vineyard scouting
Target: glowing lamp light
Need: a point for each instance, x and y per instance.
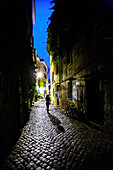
(39, 74)
(77, 83)
(42, 89)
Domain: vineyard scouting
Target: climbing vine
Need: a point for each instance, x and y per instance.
(69, 23)
(57, 31)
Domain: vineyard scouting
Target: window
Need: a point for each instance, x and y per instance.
(53, 76)
(69, 55)
(53, 91)
(39, 82)
(70, 89)
(57, 69)
(45, 76)
(44, 68)
(38, 65)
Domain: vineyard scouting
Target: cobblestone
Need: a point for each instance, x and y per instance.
(43, 146)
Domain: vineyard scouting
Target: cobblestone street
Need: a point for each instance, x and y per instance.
(55, 142)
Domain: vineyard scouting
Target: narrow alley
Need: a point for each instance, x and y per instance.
(52, 141)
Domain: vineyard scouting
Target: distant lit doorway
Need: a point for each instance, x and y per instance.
(57, 97)
(57, 94)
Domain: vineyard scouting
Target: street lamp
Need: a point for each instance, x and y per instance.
(39, 74)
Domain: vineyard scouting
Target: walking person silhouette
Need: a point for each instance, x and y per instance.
(47, 102)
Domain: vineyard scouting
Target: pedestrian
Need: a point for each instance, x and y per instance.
(47, 102)
(36, 98)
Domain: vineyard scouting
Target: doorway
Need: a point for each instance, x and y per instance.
(95, 103)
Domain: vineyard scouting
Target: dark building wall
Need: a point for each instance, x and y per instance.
(85, 36)
(16, 70)
(9, 114)
(9, 131)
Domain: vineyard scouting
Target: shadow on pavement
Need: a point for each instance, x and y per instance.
(55, 121)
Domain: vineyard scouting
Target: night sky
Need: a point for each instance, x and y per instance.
(43, 12)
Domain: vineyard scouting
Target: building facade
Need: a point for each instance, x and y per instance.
(16, 70)
(85, 75)
(42, 78)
